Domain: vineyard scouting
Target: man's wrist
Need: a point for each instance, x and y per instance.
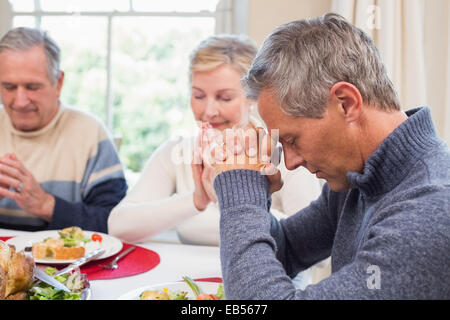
(230, 185)
(47, 208)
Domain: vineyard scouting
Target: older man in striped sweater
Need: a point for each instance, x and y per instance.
(58, 166)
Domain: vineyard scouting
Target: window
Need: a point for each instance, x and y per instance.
(126, 62)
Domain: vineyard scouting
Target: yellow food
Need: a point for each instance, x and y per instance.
(154, 295)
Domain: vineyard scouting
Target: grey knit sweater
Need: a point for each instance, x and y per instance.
(388, 237)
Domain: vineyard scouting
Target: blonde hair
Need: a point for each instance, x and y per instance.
(237, 51)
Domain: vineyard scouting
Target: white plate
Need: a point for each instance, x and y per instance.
(111, 244)
(207, 287)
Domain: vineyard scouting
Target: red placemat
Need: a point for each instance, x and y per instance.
(217, 280)
(138, 261)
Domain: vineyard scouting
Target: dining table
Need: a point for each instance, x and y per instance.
(176, 261)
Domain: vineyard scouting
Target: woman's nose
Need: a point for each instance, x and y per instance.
(212, 109)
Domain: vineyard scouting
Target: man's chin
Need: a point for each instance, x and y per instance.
(25, 126)
(338, 186)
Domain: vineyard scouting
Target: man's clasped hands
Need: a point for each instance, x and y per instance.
(247, 147)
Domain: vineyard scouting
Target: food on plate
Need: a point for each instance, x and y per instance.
(220, 295)
(96, 237)
(17, 281)
(16, 273)
(166, 294)
(69, 245)
(76, 282)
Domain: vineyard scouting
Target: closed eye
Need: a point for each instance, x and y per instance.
(9, 86)
(33, 86)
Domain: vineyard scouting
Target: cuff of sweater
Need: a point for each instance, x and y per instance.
(63, 213)
(238, 187)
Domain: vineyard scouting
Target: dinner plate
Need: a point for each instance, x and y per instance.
(207, 287)
(111, 244)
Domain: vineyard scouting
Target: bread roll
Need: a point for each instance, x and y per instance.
(54, 249)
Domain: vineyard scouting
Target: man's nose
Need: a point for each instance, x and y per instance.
(21, 99)
(292, 160)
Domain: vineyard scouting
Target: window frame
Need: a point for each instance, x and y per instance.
(224, 11)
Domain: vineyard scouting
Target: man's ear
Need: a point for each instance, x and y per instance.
(60, 82)
(348, 100)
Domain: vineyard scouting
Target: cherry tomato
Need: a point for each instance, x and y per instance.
(96, 237)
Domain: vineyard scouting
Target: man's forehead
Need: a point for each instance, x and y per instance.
(34, 55)
(28, 65)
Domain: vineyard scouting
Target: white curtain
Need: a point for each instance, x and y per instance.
(413, 39)
(5, 17)
(447, 81)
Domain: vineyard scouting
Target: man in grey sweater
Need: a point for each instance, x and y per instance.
(384, 213)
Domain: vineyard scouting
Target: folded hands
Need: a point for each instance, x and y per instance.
(249, 148)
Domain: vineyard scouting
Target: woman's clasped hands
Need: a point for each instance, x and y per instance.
(248, 147)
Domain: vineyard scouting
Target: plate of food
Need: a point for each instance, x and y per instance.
(187, 289)
(17, 280)
(66, 245)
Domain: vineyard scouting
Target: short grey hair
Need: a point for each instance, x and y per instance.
(20, 39)
(300, 61)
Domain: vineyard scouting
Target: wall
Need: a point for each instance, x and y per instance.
(265, 15)
(437, 53)
(5, 17)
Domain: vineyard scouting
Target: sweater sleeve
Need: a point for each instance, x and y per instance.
(152, 205)
(249, 233)
(91, 213)
(256, 252)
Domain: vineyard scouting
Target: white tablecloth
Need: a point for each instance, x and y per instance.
(177, 260)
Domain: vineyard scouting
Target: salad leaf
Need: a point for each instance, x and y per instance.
(199, 292)
(73, 237)
(75, 282)
(220, 292)
(191, 283)
(43, 291)
(177, 295)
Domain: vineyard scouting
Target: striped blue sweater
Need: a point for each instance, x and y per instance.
(73, 159)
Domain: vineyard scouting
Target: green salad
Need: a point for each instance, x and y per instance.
(166, 294)
(74, 281)
(73, 237)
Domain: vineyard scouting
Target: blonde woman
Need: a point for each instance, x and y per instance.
(166, 197)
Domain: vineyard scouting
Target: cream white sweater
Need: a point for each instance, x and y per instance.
(162, 199)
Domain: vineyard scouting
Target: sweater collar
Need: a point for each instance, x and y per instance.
(37, 133)
(389, 164)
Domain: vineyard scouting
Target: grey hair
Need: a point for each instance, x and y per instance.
(20, 39)
(300, 61)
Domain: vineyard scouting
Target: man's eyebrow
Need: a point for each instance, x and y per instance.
(34, 84)
(26, 83)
